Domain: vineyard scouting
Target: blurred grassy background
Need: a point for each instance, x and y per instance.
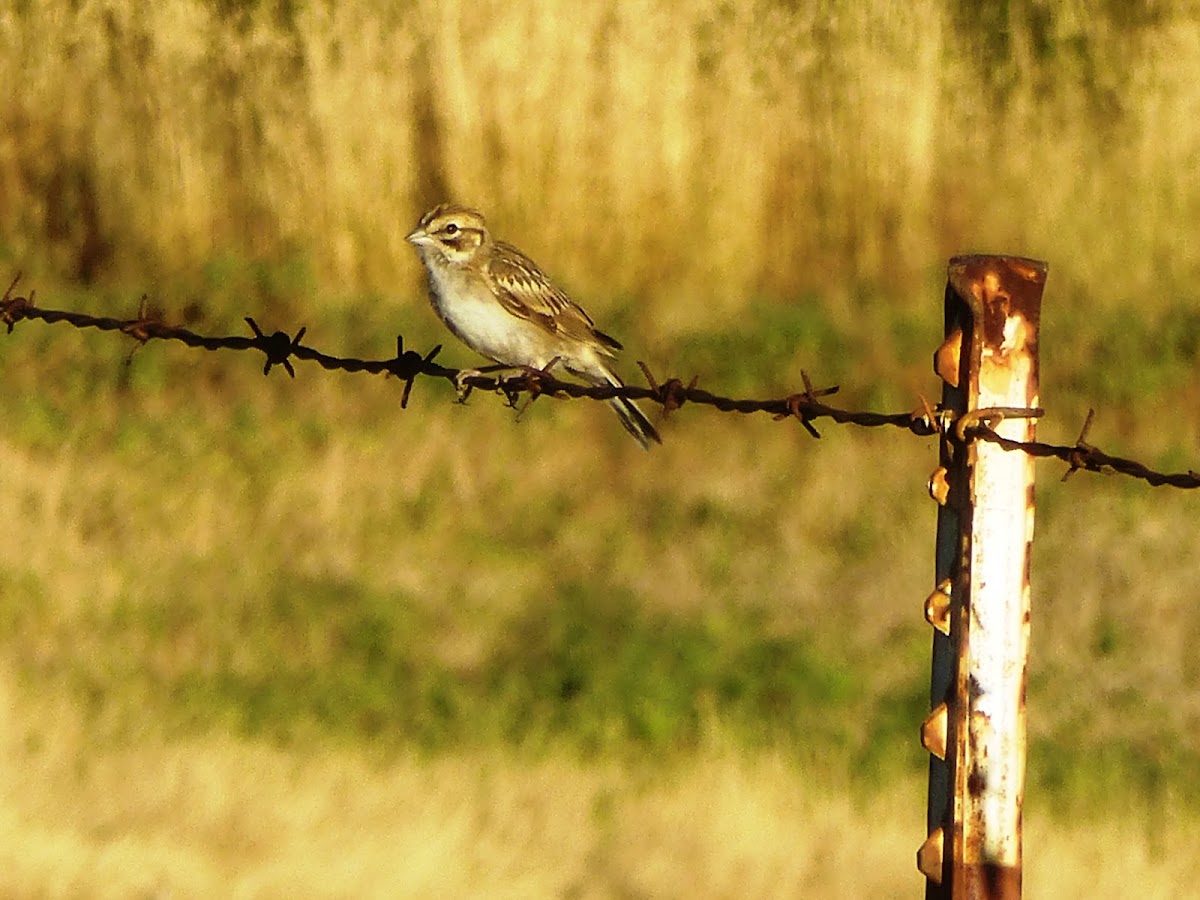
(279, 635)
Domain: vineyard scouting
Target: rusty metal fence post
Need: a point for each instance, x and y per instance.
(980, 607)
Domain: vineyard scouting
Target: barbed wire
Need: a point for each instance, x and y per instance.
(1092, 459)
(280, 348)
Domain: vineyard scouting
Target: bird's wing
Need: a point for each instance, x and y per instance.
(525, 291)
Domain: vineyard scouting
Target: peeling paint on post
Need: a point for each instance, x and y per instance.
(985, 529)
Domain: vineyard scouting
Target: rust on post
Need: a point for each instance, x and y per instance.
(985, 528)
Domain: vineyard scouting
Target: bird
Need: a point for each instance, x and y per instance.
(498, 302)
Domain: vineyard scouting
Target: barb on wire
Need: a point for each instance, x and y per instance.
(671, 393)
(280, 349)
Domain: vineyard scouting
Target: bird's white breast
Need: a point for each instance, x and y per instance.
(464, 301)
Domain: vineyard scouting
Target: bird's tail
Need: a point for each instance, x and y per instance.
(631, 416)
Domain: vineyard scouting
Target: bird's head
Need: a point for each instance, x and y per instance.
(450, 234)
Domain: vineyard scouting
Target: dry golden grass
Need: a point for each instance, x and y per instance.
(697, 156)
(202, 818)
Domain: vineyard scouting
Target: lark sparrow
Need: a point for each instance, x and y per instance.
(499, 303)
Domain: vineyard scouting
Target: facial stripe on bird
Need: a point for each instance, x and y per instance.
(459, 231)
(458, 238)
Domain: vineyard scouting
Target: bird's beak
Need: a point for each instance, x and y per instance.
(418, 237)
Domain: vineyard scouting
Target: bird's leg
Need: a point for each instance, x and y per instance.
(527, 377)
(533, 376)
(460, 379)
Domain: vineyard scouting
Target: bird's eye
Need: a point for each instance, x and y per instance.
(451, 229)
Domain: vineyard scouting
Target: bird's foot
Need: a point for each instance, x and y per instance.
(460, 383)
(510, 380)
(464, 375)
